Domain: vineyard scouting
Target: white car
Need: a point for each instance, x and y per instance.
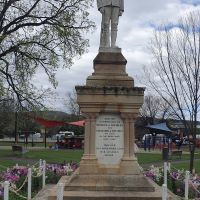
(35, 135)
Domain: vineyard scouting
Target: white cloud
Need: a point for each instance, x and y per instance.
(134, 35)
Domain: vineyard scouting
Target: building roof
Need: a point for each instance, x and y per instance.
(179, 124)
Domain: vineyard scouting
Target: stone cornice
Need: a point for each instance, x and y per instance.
(110, 90)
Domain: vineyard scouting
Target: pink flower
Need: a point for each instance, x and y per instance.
(178, 190)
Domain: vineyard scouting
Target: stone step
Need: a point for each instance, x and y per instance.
(83, 194)
(107, 188)
(108, 195)
(109, 183)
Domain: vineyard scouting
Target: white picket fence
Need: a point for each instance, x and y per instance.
(167, 167)
(60, 186)
(42, 168)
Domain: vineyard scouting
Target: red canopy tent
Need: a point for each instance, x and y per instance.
(78, 123)
(49, 123)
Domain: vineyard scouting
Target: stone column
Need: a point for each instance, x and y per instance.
(93, 117)
(126, 136)
(90, 134)
(87, 137)
(129, 163)
(131, 136)
(88, 164)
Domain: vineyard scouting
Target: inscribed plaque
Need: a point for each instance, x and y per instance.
(109, 139)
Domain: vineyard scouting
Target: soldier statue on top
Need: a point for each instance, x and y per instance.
(110, 10)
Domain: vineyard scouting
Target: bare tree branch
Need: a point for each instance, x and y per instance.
(176, 69)
(40, 34)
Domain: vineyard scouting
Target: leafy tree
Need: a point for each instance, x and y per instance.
(39, 35)
(26, 123)
(13, 119)
(175, 72)
(6, 116)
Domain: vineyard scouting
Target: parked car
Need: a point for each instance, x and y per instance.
(63, 134)
(35, 135)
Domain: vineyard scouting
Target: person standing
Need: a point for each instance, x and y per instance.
(149, 142)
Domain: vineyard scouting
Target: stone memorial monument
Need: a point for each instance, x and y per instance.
(110, 102)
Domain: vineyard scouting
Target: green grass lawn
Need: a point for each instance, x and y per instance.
(186, 166)
(55, 156)
(35, 144)
(4, 164)
(146, 158)
(8, 158)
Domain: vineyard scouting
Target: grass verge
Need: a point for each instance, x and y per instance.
(8, 158)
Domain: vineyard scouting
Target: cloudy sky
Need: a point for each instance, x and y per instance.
(135, 30)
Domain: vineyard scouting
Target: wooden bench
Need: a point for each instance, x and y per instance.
(18, 148)
(176, 153)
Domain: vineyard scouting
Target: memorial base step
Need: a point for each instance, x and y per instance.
(84, 193)
(106, 195)
(109, 183)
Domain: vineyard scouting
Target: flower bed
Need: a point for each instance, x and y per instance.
(17, 177)
(176, 181)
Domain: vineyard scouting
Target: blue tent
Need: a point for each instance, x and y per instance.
(162, 128)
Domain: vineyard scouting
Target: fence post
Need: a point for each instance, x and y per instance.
(6, 190)
(60, 191)
(169, 166)
(165, 173)
(40, 163)
(29, 183)
(44, 174)
(187, 176)
(164, 192)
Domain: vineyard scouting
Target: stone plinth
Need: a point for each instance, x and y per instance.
(118, 101)
(110, 70)
(109, 168)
